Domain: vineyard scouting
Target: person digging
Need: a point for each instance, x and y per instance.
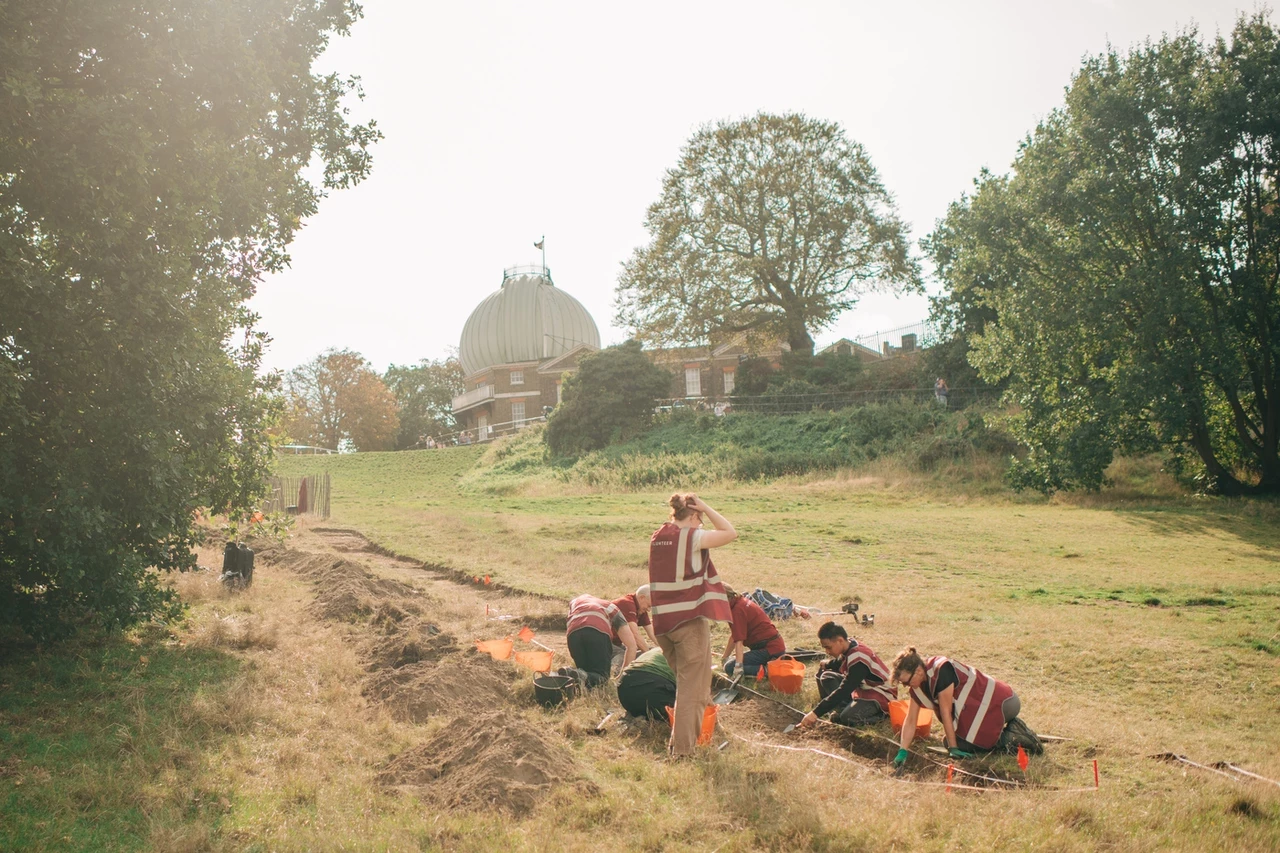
(854, 684)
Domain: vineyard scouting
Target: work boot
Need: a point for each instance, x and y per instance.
(1017, 733)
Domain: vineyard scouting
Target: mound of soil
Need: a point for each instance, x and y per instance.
(453, 684)
(492, 761)
(345, 591)
(409, 643)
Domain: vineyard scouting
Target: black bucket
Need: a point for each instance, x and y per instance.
(551, 690)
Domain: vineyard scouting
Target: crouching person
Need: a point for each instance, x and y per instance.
(753, 638)
(854, 684)
(635, 609)
(593, 623)
(977, 712)
(648, 686)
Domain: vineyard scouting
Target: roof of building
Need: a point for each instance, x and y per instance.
(527, 319)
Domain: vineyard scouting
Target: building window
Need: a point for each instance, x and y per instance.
(517, 377)
(692, 382)
(517, 413)
(728, 381)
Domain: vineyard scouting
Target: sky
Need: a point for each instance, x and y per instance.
(505, 121)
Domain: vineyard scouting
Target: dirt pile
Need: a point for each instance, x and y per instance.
(346, 591)
(493, 761)
(458, 683)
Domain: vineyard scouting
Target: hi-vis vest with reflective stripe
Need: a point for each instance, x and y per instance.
(587, 611)
(683, 583)
(976, 710)
(881, 693)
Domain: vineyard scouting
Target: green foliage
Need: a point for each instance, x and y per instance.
(609, 398)
(771, 225)
(424, 398)
(151, 172)
(693, 450)
(1122, 280)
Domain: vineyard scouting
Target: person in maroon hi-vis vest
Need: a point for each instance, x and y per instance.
(750, 629)
(854, 685)
(977, 712)
(687, 596)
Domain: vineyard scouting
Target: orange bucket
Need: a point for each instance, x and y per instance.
(708, 722)
(898, 716)
(496, 649)
(536, 661)
(786, 674)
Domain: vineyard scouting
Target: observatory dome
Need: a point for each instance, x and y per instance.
(527, 319)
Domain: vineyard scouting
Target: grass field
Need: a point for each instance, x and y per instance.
(1135, 622)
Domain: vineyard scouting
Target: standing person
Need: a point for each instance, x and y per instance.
(855, 683)
(592, 625)
(977, 712)
(687, 596)
(751, 628)
(635, 609)
(940, 391)
(648, 687)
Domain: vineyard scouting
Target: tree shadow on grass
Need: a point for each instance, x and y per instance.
(103, 740)
(1252, 521)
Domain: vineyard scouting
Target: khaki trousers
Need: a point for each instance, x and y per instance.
(687, 649)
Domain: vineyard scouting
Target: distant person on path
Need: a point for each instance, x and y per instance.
(593, 623)
(687, 596)
(977, 712)
(648, 687)
(753, 638)
(854, 685)
(941, 391)
(635, 609)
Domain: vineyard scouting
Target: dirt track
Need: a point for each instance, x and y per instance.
(414, 625)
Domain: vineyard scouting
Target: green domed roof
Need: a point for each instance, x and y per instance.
(527, 319)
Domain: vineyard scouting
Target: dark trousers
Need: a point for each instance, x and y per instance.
(592, 652)
(859, 712)
(751, 662)
(646, 694)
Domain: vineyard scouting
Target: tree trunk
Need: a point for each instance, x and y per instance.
(1224, 483)
(799, 339)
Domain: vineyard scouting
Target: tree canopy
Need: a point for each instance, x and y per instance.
(337, 400)
(609, 398)
(772, 226)
(152, 160)
(1129, 266)
(424, 395)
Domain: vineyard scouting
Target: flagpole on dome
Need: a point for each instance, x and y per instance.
(542, 244)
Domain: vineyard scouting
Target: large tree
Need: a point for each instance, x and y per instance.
(609, 398)
(338, 398)
(1132, 260)
(772, 225)
(424, 396)
(152, 158)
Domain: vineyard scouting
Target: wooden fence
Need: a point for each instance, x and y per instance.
(305, 495)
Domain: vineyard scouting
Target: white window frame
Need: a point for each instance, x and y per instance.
(517, 377)
(729, 380)
(693, 382)
(517, 413)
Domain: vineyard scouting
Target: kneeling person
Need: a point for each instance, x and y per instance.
(854, 683)
(753, 638)
(648, 686)
(592, 625)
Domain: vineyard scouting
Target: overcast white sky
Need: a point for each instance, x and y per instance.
(505, 121)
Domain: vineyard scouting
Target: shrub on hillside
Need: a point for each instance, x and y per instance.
(609, 399)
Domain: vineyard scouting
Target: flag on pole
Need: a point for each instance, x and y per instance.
(538, 245)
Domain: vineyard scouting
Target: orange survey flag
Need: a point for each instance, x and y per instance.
(536, 661)
(487, 581)
(526, 634)
(760, 674)
(1023, 761)
(496, 649)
